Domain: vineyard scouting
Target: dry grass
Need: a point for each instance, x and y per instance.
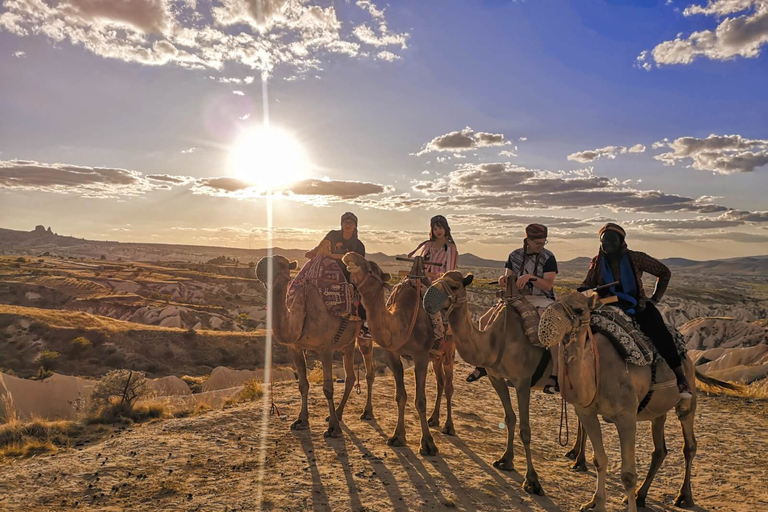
(201, 408)
(315, 375)
(754, 391)
(18, 439)
(195, 383)
(252, 391)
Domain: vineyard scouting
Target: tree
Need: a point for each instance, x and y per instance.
(118, 391)
(48, 359)
(79, 346)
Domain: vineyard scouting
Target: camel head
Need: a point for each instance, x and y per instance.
(566, 317)
(281, 267)
(448, 290)
(361, 269)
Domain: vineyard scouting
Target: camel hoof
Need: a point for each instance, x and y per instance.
(428, 447)
(579, 466)
(684, 501)
(572, 454)
(592, 505)
(367, 415)
(300, 425)
(639, 502)
(396, 441)
(334, 431)
(504, 465)
(533, 487)
(449, 430)
(434, 422)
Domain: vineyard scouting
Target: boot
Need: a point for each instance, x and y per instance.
(682, 383)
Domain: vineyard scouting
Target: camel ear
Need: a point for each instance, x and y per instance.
(593, 301)
(468, 280)
(292, 265)
(386, 277)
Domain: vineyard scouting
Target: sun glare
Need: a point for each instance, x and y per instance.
(269, 158)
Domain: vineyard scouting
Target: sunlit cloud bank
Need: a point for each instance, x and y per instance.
(464, 140)
(259, 34)
(742, 31)
(723, 154)
(609, 152)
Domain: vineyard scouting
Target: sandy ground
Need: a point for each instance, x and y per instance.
(210, 462)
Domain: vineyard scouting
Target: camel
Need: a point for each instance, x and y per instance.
(395, 331)
(307, 325)
(596, 380)
(502, 347)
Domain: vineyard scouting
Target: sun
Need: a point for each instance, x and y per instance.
(269, 158)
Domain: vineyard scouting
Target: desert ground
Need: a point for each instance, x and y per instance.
(211, 461)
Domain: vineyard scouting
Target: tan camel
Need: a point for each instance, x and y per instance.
(503, 349)
(606, 385)
(307, 325)
(392, 331)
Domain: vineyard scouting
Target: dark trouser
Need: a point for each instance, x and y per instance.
(652, 324)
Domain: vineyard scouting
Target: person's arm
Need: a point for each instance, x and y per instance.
(590, 281)
(549, 272)
(452, 258)
(645, 263)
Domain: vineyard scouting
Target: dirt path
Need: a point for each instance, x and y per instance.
(210, 462)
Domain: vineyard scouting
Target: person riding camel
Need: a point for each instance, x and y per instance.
(440, 248)
(615, 262)
(339, 242)
(535, 269)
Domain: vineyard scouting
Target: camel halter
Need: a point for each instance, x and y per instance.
(453, 299)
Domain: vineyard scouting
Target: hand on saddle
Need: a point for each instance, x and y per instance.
(503, 281)
(523, 280)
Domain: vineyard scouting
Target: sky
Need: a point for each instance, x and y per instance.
(144, 121)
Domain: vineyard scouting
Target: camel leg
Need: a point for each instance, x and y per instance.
(627, 427)
(366, 349)
(506, 462)
(579, 451)
(437, 365)
(300, 362)
(427, 442)
(396, 365)
(531, 483)
(448, 429)
(686, 415)
(595, 434)
(659, 454)
(334, 429)
(349, 377)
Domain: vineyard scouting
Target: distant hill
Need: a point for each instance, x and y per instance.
(41, 240)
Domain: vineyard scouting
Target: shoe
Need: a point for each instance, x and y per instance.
(478, 374)
(551, 389)
(684, 390)
(364, 331)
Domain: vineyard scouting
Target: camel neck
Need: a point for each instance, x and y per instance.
(385, 326)
(580, 364)
(281, 315)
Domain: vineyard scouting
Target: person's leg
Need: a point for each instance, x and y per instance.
(542, 303)
(438, 328)
(477, 374)
(652, 324)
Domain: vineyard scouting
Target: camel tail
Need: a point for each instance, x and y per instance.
(711, 381)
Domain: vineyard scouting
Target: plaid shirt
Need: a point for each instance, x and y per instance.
(641, 262)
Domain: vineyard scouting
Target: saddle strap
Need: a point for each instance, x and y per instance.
(415, 311)
(649, 394)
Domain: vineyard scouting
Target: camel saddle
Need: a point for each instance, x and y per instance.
(324, 273)
(527, 311)
(625, 335)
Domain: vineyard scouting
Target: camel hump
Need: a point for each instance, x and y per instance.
(324, 273)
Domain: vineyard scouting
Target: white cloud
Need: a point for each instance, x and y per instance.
(388, 56)
(259, 35)
(507, 153)
(723, 154)
(189, 150)
(464, 140)
(596, 154)
(637, 148)
(238, 93)
(19, 54)
(735, 36)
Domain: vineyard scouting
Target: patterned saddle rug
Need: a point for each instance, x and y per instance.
(324, 273)
(625, 334)
(527, 311)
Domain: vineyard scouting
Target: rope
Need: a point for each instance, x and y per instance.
(415, 312)
(357, 382)
(342, 328)
(564, 410)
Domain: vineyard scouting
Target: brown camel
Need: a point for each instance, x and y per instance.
(503, 349)
(307, 325)
(606, 385)
(393, 331)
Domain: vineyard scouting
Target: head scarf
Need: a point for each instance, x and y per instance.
(535, 231)
(612, 227)
(442, 221)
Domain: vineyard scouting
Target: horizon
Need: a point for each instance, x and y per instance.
(173, 120)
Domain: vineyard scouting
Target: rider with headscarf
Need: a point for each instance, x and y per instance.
(339, 242)
(615, 262)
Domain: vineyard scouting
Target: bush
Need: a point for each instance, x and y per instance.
(48, 360)
(21, 260)
(117, 393)
(79, 346)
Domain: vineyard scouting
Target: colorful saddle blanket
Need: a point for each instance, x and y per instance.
(527, 311)
(625, 334)
(325, 274)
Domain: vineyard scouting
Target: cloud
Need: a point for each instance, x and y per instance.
(92, 182)
(238, 93)
(312, 191)
(189, 150)
(637, 148)
(464, 140)
(734, 36)
(175, 180)
(341, 189)
(507, 153)
(19, 54)
(596, 154)
(723, 154)
(260, 35)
